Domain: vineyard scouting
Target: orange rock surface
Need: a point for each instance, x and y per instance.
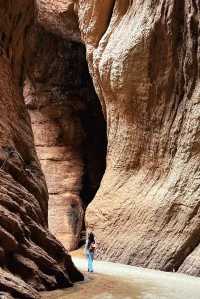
(68, 126)
(31, 259)
(143, 57)
(144, 61)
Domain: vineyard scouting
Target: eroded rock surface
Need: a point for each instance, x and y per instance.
(59, 17)
(69, 129)
(30, 257)
(144, 60)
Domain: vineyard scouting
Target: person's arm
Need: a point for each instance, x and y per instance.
(85, 248)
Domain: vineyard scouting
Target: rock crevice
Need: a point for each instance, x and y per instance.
(143, 57)
(68, 126)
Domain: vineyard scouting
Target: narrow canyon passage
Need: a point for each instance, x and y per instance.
(126, 156)
(69, 130)
(143, 58)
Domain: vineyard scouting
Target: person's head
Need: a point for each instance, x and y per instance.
(91, 237)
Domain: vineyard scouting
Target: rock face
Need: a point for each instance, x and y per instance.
(69, 129)
(59, 17)
(144, 60)
(30, 257)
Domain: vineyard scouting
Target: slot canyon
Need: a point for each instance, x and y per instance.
(69, 129)
(99, 130)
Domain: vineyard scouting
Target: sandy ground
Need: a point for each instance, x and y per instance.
(96, 287)
(117, 281)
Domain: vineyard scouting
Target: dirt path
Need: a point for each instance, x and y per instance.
(116, 281)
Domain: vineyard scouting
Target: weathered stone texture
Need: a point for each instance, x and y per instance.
(68, 126)
(144, 60)
(27, 249)
(59, 17)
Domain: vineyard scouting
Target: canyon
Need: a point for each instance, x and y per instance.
(144, 60)
(112, 90)
(31, 259)
(69, 129)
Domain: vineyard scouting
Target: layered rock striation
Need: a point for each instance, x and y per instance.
(31, 259)
(144, 60)
(68, 126)
(143, 57)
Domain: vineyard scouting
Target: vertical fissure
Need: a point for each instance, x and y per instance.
(69, 130)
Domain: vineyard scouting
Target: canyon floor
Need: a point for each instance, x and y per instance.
(117, 281)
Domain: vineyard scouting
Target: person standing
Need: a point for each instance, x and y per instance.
(90, 250)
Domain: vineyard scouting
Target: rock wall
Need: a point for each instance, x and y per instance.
(30, 257)
(59, 17)
(144, 60)
(68, 126)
